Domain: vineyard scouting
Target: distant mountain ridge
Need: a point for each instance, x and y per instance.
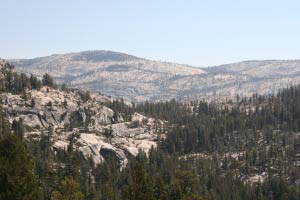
(112, 73)
(138, 79)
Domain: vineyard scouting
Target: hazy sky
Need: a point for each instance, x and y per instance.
(201, 33)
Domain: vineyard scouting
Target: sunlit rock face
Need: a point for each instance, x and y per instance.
(54, 108)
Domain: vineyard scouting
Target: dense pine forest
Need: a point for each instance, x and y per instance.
(246, 148)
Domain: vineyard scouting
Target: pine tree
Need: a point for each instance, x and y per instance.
(141, 186)
(17, 180)
(47, 80)
(69, 190)
(18, 128)
(4, 127)
(160, 191)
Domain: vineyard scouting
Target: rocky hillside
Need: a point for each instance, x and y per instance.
(137, 79)
(97, 129)
(112, 73)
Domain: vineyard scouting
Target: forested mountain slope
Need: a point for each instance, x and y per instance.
(80, 145)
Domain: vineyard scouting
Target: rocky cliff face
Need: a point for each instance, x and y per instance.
(104, 132)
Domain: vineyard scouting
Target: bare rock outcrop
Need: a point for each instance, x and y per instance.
(102, 133)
